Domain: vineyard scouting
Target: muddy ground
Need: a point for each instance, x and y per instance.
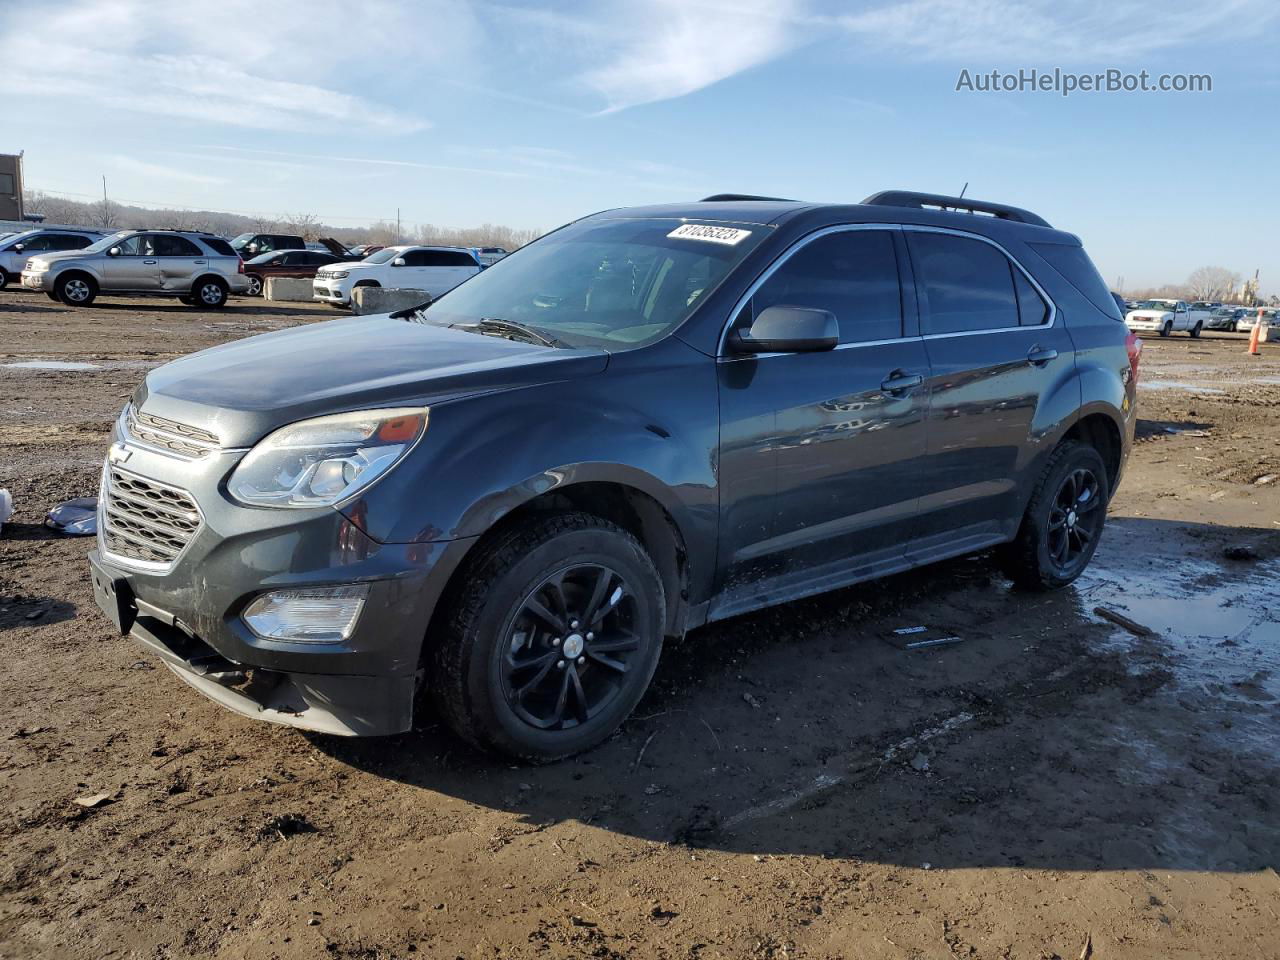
(793, 786)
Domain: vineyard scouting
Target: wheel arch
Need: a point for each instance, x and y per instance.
(626, 505)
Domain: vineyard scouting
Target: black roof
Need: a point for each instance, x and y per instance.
(892, 206)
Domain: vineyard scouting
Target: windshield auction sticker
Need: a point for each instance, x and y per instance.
(729, 236)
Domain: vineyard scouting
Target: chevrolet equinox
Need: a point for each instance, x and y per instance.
(647, 420)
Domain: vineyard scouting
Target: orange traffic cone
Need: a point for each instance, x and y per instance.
(1254, 337)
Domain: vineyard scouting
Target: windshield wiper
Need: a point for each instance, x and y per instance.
(496, 325)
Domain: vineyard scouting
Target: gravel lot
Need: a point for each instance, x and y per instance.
(793, 786)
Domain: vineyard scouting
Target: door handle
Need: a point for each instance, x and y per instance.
(1038, 357)
(900, 381)
(153, 262)
(200, 262)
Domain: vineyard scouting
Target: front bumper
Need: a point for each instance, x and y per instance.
(188, 613)
(330, 291)
(37, 281)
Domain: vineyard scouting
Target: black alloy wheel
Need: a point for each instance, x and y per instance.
(1074, 522)
(570, 647)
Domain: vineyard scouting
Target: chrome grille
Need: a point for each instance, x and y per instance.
(190, 442)
(145, 521)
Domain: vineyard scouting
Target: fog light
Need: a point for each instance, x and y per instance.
(313, 615)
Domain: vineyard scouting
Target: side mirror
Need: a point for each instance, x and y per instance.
(253, 249)
(398, 262)
(19, 247)
(113, 252)
(784, 329)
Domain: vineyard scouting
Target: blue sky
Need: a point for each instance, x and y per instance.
(460, 112)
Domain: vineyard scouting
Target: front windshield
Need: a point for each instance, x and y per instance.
(609, 283)
(1156, 305)
(241, 240)
(106, 243)
(383, 255)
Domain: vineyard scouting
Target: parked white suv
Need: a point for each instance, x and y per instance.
(18, 248)
(1164, 317)
(434, 270)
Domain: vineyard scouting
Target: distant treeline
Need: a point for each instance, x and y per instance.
(109, 215)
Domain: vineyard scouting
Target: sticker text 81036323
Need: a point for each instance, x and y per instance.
(701, 231)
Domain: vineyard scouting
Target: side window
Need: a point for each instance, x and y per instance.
(219, 246)
(6, 184)
(1074, 264)
(432, 258)
(459, 259)
(131, 246)
(170, 246)
(1032, 310)
(37, 244)
(293, 259)
(265, 244)
(852, 273)
(417, 258)
(965, 284)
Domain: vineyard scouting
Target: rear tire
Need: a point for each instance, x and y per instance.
(256, 286)
(209, 292)
(76, 289)
(552, 640)
(1063, 522)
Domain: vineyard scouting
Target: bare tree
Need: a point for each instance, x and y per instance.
(1212, 283)
(104, 214)
(307, 225)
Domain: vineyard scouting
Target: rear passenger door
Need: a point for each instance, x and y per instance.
(999, 359)
(180, 261)
(821, 453)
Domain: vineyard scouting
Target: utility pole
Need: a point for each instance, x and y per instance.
(104, 191)
(398, 236)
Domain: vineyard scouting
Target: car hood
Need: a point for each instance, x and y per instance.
(243, 390)
(54, 255)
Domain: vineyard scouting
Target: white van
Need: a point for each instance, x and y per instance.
(435, 270)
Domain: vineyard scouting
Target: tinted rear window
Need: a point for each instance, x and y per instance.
(218, 245)
(1074, 265)
(966, 285)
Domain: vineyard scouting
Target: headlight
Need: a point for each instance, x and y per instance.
(316, 615)
(38, 266)
(336, 275)
(322, 462)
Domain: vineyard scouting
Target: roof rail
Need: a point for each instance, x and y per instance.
(727, 197)
(921, 201)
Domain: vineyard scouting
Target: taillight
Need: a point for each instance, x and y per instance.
(1133, 346)
(239, 265)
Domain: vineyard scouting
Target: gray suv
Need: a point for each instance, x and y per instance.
(199, 269)
(509, 500)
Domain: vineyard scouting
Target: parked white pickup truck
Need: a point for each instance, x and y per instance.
(1166, 316)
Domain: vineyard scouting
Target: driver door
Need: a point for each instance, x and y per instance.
(821, 453)
(136, 267)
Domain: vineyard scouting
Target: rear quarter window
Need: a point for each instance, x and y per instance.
(219, 246)
(1078, 270)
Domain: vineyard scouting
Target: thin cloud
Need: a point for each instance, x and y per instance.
(147, 169)
(684, 47)
(1074, 31)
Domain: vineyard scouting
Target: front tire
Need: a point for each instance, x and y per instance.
(552, 640)
(76, 289)
(1166, 329)
(1195, 331)
(4, 278)
(1063, 521)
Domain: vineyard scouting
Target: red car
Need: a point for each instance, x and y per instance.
(301, 264)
